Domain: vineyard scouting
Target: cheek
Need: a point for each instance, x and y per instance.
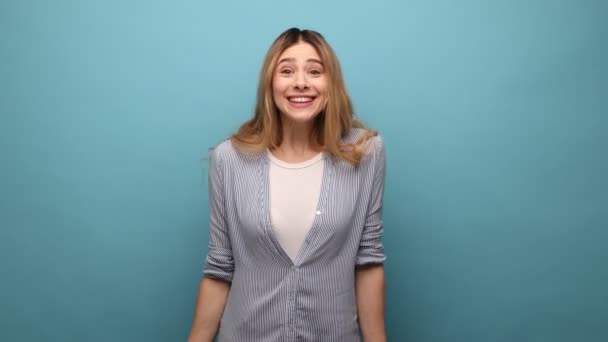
(278, 100)
(276, 94)
(323, 93)
(322, 87)
(278, 90)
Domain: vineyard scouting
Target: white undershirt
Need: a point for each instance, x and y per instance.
(294, 194)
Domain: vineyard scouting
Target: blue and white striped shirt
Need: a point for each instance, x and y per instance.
(312, 298)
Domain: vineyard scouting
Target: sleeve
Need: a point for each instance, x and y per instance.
(219, 263)
(371, 250)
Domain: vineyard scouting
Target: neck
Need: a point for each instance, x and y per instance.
(298, 143)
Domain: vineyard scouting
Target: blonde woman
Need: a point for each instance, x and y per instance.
(295, 236)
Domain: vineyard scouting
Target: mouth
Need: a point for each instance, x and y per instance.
(300, 99)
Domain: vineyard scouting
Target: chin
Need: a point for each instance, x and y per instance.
(301, 118)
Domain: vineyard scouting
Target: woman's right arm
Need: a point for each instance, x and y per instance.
(219, 265)
(210, 303)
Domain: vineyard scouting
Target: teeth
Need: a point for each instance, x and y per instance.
(300, 99)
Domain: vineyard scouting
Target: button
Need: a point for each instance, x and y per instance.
(318, 212)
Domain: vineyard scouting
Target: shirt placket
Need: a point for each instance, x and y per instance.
(292, 309)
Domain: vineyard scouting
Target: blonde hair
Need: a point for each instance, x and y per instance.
(264, 130)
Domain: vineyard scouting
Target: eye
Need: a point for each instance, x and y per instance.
(285, 71)
(315, 72)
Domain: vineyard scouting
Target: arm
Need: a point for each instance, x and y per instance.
(219, 266)
(212, 295)
(369, 272)
(369, 287)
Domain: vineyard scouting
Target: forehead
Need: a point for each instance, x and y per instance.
(300, 51)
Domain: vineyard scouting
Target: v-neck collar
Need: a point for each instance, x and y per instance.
(266, 221)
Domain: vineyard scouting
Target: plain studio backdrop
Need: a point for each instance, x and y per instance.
(494, 115)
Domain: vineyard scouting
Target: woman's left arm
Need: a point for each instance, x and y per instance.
(369, 288)
(369, 271)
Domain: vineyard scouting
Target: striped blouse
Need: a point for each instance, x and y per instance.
(271, 297)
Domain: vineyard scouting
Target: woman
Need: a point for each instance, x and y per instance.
(295, 250)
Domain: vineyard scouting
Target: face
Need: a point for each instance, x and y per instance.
(300, 84)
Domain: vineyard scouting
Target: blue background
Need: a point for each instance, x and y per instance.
(494, 115)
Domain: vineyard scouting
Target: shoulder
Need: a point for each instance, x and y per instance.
(226, 156)
(372, 146)
(222, 150)
(354, 134)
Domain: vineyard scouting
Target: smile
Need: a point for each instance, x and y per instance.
(300, 99)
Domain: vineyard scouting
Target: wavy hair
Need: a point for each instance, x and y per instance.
(264, 130)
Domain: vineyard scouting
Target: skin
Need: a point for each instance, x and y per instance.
(210, 304)
(299, 75)
(370, 292)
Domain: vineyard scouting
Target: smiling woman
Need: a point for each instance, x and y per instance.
(300, 85)
(295, 234)
(318, 67)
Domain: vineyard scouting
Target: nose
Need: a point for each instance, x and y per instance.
(301, 81)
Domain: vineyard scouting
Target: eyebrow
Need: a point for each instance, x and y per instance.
(291, 60)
